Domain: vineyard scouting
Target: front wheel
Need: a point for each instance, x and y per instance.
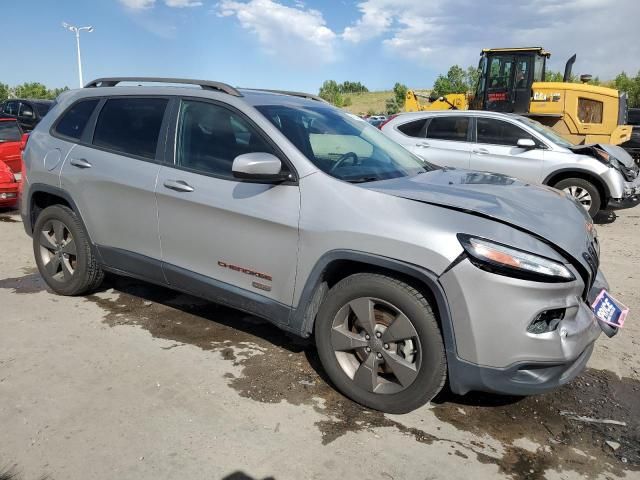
(380, 344)
(585, 192)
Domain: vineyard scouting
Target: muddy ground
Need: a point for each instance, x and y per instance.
(144, 382)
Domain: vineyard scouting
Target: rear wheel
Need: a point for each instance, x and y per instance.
(380, 343)
(584, 191)
(63, 252)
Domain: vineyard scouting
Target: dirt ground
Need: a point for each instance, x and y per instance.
(140, 382)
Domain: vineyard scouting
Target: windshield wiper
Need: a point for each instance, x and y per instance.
(363, 180)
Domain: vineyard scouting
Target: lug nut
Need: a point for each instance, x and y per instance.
(368, 349)
(379, 355)
(378, 334)
(367, 337)
(386, 346)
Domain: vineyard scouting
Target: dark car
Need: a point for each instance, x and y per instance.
(28, 112)
(633, 145)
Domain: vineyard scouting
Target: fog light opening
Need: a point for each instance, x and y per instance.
(546, 321)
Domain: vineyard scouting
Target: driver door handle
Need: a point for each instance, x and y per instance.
(481, 151)
(80, 163)
(178, 185)
(422, 145)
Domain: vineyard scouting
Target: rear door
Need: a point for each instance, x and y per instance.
(111, 174)
(215, 229)
(447, 141)
(496, 150)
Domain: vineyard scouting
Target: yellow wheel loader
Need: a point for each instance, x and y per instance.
(512, 81)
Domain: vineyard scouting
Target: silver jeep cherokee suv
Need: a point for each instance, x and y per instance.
(285, 207)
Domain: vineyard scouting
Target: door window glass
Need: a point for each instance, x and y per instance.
(413, 129)
(589, 111)
(75, 119)
(210, 137)
(448, 128)
(11, 108)
(538, 69)
(130, 125)
(497, 132)
(522, 73)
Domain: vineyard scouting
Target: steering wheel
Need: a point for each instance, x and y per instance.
(342, 159)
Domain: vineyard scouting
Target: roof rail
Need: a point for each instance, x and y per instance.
(293, 94)
(204, 84)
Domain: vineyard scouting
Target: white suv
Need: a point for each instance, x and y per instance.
(598, 175)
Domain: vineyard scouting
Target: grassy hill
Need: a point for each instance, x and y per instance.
(371, 102)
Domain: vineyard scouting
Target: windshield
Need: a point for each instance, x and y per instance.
(546, 132)
(343, 145)
(9, 131)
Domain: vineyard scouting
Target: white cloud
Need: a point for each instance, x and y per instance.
(138, 4)
(295, 33)
(439, 33)
(147, 4)
(182, 3)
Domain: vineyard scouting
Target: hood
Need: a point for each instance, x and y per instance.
(596, 150)
(542, 211)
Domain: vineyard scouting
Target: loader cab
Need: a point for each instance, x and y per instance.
(506, 76)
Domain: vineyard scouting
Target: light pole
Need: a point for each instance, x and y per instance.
(77, 31)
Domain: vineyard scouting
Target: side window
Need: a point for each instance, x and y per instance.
(497, 132)
(589, 111)
(26, 110)
(448, 128)
(209, 137)
(75, 119)
(11, 108)
(500, 72)
(130, 125)
(413, 129)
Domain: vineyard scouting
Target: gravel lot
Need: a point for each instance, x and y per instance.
(140, 382)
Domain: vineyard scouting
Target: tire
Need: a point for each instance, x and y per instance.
(395, 376)
(584, 191)
(63, 252)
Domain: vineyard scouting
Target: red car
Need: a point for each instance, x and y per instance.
(12, 142)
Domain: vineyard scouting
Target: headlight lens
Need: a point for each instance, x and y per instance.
(512, 262)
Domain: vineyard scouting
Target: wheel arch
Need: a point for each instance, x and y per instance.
(41, 196)
(565, 173)
(338, 264)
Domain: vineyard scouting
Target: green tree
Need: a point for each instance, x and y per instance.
(4, 91)
(31, 90)
(396, 103)
(456, 81)
(472, 76)
(631, 85)
(330, 91)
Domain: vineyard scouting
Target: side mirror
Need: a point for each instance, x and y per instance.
(259, 167)
(23, 141)
(526, 143)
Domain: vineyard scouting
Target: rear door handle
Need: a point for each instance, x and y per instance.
(178, 185)
(423, 145)
(80, 163)
(481, 151)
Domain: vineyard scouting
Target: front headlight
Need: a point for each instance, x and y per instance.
(512, 262)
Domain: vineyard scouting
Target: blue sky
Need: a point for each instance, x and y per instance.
(293, 44)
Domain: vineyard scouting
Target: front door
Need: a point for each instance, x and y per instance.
(216, 229)
(496, 150)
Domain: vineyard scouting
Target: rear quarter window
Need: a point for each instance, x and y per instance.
(413, 129)
(73, 121)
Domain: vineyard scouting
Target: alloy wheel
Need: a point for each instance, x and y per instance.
(580, 194)
(376, 345)
(58, 250)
